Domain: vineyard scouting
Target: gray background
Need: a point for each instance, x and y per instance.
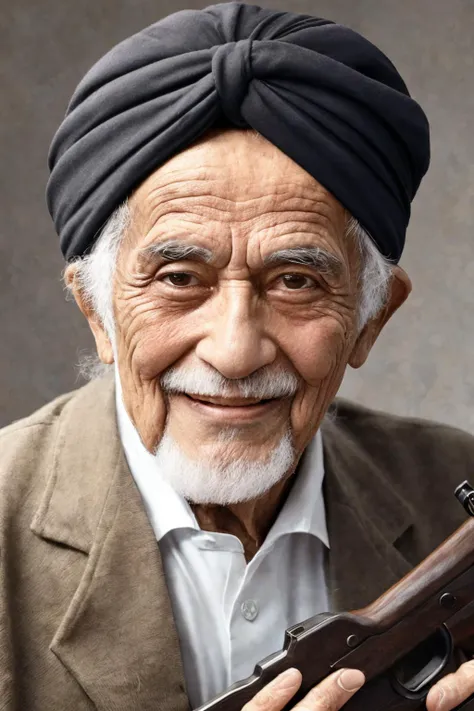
(422, 363)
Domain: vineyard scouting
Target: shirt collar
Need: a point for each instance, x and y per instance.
(303, 511)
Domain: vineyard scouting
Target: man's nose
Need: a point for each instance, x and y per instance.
(236, 342)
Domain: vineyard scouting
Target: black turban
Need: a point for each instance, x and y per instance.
(320, 92)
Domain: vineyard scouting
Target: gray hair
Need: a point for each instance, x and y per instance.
(95, 271)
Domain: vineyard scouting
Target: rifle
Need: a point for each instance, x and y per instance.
(403, 642)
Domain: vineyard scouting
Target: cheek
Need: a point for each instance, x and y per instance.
(149, 340)
(319, 352)
(156, 346)
(153, 335)
(316, 349)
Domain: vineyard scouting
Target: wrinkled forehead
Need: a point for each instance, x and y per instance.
(239, 179)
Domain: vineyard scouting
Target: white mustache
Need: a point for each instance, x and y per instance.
(264, 384)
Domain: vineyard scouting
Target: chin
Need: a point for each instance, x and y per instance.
(223, 477)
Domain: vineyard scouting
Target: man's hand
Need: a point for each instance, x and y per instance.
(329, 695)
(453, 689)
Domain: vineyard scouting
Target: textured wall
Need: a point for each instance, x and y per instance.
(422, 363)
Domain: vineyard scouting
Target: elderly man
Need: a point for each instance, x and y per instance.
(231, 188)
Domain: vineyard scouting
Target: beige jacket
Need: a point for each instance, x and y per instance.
(85, 619)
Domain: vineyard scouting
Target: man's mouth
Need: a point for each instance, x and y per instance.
(229, 401)
(236, 411)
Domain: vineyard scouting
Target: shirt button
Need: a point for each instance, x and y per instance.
(249, 610)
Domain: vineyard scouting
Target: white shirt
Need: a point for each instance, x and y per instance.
(230, 614)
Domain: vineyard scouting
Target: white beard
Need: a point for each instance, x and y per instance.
(222, 483)
(219, 479)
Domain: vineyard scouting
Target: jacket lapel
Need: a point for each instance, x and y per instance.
(365, 516)
(117, 637)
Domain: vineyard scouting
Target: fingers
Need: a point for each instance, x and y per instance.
(333, 692)
(453, 689)
(329, 695)
(275, 696)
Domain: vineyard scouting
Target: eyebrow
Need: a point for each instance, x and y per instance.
(177, 251)
(316, 257)
(325, 262)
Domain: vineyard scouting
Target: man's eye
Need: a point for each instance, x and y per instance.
(180, 279)
(297, 281)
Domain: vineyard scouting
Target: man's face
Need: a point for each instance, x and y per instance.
(239, 303)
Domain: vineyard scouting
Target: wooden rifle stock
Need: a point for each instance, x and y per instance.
(403, 642)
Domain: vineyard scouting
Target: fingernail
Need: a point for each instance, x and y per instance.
(287, 679)
(351, 680)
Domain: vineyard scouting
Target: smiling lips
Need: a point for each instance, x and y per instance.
(235, 410)
(228, 401)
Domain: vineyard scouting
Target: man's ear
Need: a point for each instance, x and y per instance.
(102, 341)
(399, 290)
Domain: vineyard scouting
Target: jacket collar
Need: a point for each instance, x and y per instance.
(366, 515)
(85, 460)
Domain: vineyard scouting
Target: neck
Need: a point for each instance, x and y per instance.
(249, 521)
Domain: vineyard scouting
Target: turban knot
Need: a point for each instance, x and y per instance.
(232, 72)
(320, 92)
